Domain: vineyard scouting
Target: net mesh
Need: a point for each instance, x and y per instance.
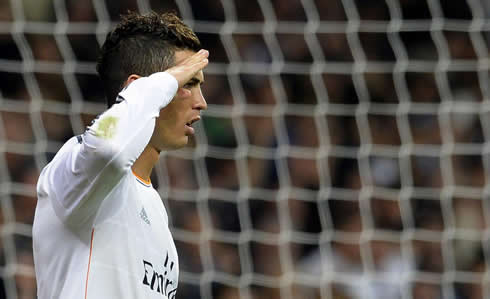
(343, 154)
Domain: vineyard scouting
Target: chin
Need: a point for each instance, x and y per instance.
(184, 142)
(177, 144)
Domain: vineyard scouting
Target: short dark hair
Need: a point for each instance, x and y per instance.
(142, 45)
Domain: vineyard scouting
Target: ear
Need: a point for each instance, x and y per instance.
(131, 78)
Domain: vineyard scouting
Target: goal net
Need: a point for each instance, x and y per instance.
(343, 153)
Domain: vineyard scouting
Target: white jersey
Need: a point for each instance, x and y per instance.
(99, 230)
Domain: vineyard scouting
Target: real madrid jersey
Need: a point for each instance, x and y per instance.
(99, 230)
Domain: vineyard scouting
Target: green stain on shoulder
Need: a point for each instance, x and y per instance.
(107, 127)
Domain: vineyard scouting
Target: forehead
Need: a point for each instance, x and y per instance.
(181, 55)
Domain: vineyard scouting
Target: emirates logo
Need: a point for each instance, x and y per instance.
(158, 280)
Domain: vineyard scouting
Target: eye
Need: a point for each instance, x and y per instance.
(192, 83)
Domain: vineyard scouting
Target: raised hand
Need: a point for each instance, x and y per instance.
(188, 67)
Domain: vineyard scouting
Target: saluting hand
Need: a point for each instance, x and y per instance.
(187, 68)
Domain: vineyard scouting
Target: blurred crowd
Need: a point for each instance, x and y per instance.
(382, 195)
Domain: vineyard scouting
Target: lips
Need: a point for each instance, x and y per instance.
(189, 124)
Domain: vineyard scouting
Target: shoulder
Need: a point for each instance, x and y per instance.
(68, 147)
(70, 144)
(44, 180)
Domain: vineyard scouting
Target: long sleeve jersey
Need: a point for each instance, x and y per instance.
(100, 231)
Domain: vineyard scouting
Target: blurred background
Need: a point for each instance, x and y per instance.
(344, 153)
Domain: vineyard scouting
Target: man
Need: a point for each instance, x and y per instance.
(100, 229)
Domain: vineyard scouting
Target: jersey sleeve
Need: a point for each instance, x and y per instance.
(78, 179)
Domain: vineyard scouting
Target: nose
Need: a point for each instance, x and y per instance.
(200, 103)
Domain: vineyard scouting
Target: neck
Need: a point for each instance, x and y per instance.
(143, 166)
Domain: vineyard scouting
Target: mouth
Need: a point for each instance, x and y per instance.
(189, 124)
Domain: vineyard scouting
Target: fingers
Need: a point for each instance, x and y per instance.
(195, 58)
(188, 67)
(201, 54)
(198, 61)
(201, 64)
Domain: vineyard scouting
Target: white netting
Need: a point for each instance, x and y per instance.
(343, 154)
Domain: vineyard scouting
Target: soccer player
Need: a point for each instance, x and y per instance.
(100, 229)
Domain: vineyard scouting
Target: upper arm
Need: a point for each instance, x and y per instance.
(77, 181)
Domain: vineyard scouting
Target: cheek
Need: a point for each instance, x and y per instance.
(183, 93)
(166, 126)
(168, 123)
(172, 118)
